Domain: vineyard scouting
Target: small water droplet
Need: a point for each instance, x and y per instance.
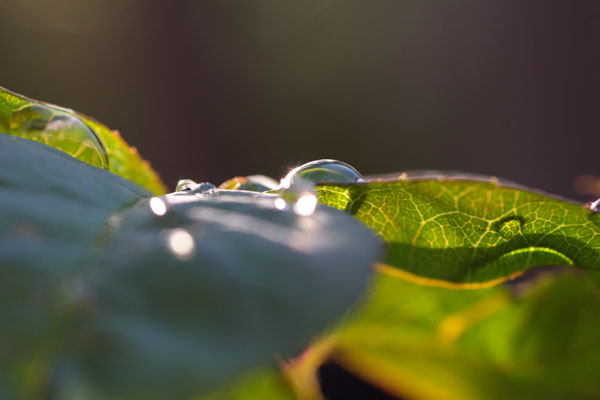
(509, 227)
(594, 206)
(181, 243)
(59, 128)
(185, 184)
(321, 171)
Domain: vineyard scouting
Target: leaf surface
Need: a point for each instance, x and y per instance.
(468, 233)
(70, 132)
(438, 343)
(110, 292)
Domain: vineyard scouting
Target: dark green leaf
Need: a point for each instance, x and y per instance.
(266, 383)
(108, 292)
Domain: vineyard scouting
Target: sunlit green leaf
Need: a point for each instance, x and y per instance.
(114, 294)
(266, 383)
(77, 135)
(437, 343)
(469, 233)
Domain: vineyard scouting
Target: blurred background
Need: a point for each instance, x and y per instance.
(212, 89)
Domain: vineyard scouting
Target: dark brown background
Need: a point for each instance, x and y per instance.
(213, 89)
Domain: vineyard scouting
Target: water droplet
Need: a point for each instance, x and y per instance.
(594, 206)
(188, 186)
(321, 171)
(59, 128)
(158, 206)
(509, 227)
(185, 184)
(181, 243)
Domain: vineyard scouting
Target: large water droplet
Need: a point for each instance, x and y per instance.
(61, 129)
(509, 227)
(300, 196)
(321, 171)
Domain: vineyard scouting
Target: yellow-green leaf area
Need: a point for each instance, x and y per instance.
(440, 344)
(469, 233)
(76, 135)
(124, 160)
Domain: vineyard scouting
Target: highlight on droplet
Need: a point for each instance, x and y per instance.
(181, 243)
(158, 206)
(594, 206)
(306, 204)
(280, 204)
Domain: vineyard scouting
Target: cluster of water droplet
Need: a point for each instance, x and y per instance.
(296, 189)
(296, 192)
(60, 128)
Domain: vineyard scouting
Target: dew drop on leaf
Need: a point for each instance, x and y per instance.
(510, 227)
(185, 184)
(61, 129)
(188, 186)
(321, 171)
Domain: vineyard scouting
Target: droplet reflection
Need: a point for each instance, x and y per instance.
(280, 204)
(158, 206)
(181, 243)
(595, 206)
(306, 204)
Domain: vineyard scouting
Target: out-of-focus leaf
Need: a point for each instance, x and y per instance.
(266, 383)
(437, 343)
(124, 160)
(468, 233)
(77, 135)
(108, 293)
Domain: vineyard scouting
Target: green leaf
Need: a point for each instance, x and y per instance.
(77, 135)
(266, 383)
(437, 343)
(469, 233)
(110, 293)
